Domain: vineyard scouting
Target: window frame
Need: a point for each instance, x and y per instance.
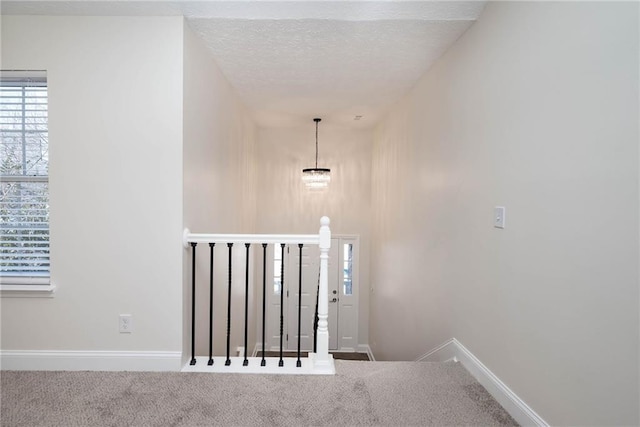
(35, 285)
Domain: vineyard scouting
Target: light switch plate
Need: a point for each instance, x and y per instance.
(499, 217)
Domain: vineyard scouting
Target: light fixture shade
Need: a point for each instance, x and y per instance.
(316, 178)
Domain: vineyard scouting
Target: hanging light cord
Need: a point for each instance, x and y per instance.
(317, 144)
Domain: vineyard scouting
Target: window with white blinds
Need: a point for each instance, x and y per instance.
(24, 178)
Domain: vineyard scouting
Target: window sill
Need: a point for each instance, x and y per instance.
(27, 291)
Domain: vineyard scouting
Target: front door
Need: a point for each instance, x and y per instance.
(341, 296)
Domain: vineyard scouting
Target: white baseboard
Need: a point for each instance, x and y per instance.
(54, 360)
(453, 350)
(446, 352)
(364, 348)
(258, 348)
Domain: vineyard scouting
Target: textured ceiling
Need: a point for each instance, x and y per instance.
(291, 61)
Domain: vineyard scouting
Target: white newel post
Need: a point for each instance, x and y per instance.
(323, 361)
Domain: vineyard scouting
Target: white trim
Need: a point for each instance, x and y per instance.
(189, 237)
(446, 352)
(27, 291)
(364, 348)
(353, 299)
(271, 366)
(25, 280)
(56, 360)
(516, 407)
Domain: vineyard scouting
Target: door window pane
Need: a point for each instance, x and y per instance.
(277, 263)
(347, 268)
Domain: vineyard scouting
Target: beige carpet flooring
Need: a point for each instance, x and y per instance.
(361, 393)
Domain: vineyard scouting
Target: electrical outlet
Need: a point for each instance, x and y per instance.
(126, 324)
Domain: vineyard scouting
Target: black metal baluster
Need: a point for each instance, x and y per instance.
(193, 304)
(211, 246)
(246, 305)
(299, 363)
(228, 361)
(281, 362)
(315, 317)
(264, 297)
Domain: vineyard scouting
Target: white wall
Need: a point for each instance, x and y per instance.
(219, 191)
(286, 206)
(535, 108)
(115, 139)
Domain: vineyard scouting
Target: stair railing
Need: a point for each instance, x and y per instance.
(320, 361)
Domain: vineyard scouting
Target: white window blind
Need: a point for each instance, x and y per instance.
(24, 178)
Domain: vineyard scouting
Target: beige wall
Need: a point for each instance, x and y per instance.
(535, 108)
(286, 206)
(219, 192)
(115, 123)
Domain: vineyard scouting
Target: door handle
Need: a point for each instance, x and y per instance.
(334, 300)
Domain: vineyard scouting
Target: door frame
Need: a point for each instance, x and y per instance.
(348, 305)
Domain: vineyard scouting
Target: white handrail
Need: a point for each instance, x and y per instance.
(189, 237)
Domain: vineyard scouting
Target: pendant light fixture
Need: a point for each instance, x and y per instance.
(316, 177)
